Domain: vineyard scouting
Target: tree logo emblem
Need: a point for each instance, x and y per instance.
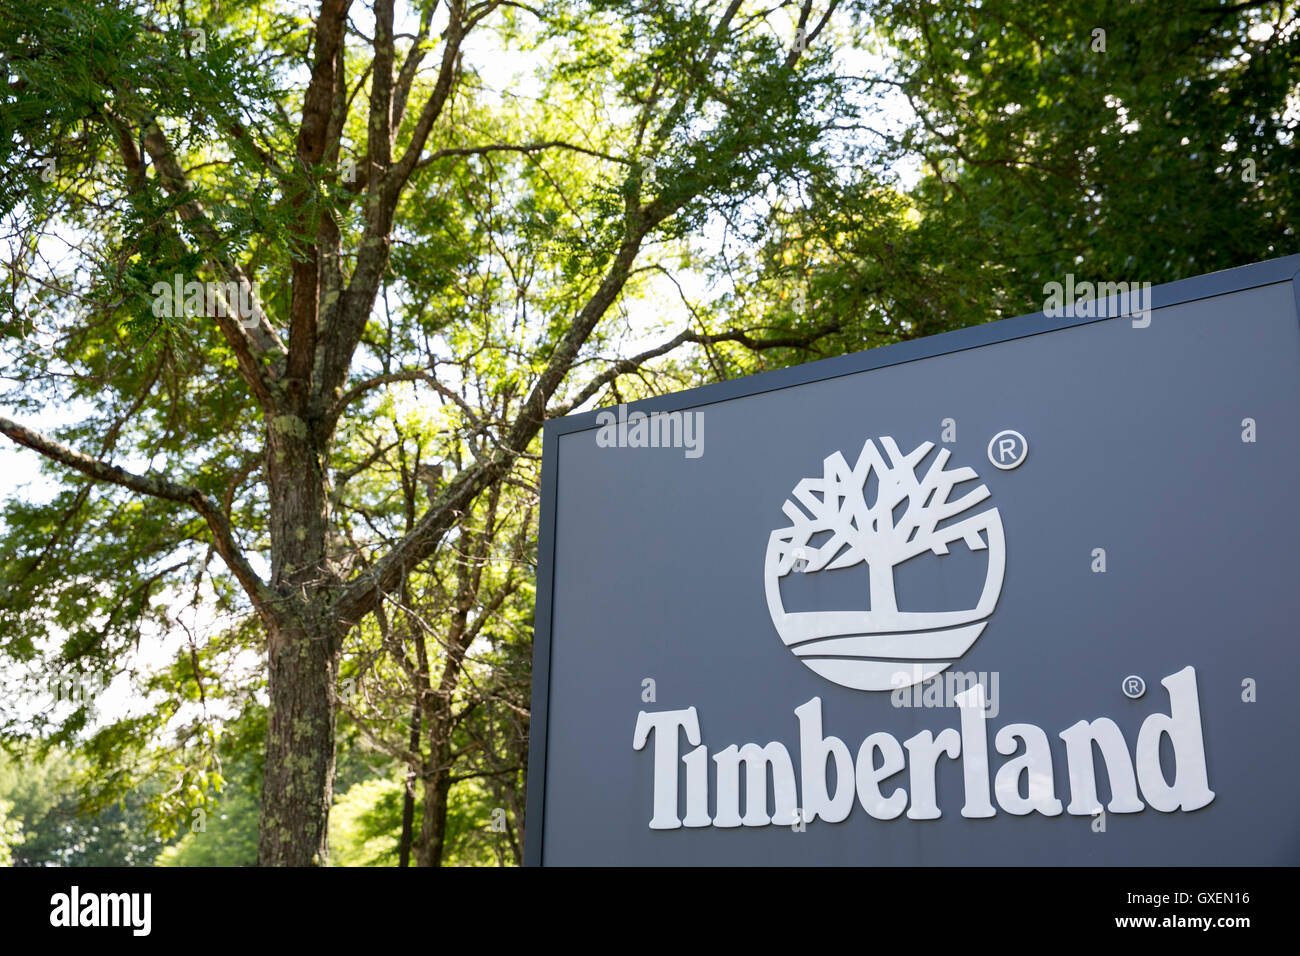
(843, 519)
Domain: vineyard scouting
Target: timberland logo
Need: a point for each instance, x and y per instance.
(881, 513)
(75, 908)
(1026, 783)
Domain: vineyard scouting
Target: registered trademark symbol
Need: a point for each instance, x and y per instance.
(1134, 687)
(1008, 449)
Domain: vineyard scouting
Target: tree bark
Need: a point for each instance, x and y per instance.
(433, 822)
(408, 797)
(441, 720)
(303, 654)
(298, 780)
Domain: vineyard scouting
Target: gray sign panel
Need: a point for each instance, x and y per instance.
(766, 640)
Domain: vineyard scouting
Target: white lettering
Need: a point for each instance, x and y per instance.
(1024, 784)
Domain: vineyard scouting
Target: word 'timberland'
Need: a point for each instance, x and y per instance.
(1022, 785)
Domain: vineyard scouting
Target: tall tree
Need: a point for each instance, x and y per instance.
(358, 210)
(1118, 141)
(442, 679)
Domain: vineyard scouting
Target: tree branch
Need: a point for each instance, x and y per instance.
(317, 113)
(157, 487)
(623, 366)
(248, 343)
(404, 375)
(511, 148)
(385, 184)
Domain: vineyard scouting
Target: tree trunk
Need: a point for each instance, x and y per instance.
(408, 797)
(298, 780)
(433, 823)
(303, 654)
(437, 774)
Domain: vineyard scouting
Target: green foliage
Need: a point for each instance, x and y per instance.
(1132, 162)
(471, 818)
(11, 833)
(48, 825)
(228, 837)
(365, 824)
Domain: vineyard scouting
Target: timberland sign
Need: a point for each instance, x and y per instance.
(1019, 594)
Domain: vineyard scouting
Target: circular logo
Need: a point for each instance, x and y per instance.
(844, 519)
(1008, 449)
